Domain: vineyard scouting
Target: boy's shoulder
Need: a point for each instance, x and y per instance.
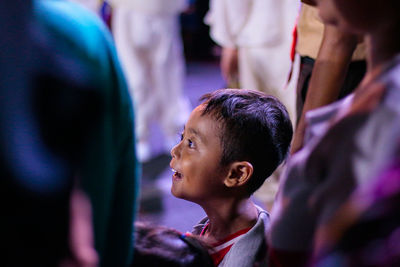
(251, 248)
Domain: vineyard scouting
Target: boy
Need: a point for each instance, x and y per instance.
(351, 142)
(231, 143)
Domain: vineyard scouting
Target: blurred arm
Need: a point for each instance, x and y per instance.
(328, 75)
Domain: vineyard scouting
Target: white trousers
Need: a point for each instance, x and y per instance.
(151, 53)
(267, 69)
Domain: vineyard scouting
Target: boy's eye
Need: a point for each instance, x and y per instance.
(190, 143)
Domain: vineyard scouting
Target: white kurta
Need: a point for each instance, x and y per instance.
(149, 45)
(262, 32)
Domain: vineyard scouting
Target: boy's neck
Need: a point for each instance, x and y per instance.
(383, 45)
(229, 217)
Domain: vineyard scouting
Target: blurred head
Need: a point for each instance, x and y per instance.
(248, 131)
(161, 246)
(358, 16)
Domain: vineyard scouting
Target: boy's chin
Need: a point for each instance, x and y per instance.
(175, 193)
(179, 195)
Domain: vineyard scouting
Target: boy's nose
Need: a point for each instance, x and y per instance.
(174, 150)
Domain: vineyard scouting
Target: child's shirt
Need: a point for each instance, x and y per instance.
(221, 248)
(242, 248)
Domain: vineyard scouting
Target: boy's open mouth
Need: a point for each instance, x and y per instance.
(176, 175)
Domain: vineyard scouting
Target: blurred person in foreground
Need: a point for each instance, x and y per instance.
(365, 230)
(92, 5)
(351, 141)
(69, 172)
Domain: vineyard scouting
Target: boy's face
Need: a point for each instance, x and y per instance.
(198, 175)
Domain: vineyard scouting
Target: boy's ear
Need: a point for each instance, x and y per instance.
(239, 173)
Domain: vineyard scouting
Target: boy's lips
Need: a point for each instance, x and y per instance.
(176, 174)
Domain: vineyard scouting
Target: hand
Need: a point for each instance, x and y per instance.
(229, 64)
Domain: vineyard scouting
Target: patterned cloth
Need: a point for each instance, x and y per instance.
(366, 231)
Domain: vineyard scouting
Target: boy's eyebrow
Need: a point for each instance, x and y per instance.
(195, 132)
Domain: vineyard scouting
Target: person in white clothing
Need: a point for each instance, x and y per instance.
(256, 37)
(149, 45)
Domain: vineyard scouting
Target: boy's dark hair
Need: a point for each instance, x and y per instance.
(255, 127)
(162, 246)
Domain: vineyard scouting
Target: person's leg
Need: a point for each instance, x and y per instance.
(266, 69)
(169, 71)
(132, 34)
